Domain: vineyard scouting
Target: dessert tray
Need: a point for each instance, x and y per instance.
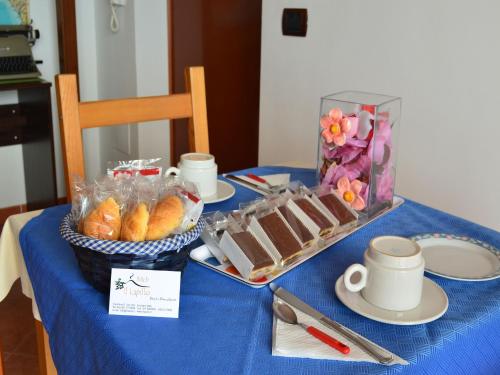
(204, 256)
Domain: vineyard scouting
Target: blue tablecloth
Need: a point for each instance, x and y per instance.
(225, 327)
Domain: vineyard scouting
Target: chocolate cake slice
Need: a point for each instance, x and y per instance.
(325, 226)
(281, 237)
(253, 250)
(304, 235)
(337, 208)
(247, 254)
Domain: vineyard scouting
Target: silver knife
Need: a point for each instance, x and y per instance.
(381, 355)
(250, 184)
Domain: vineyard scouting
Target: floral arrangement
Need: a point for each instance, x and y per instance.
(356, 153)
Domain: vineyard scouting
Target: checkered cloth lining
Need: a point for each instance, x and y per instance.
(174, 243)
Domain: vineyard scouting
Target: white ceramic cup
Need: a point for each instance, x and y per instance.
(199, 169)
(392, 276)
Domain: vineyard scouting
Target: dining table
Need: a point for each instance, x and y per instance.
(225, 327)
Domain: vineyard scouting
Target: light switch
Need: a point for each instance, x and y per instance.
(294, 22)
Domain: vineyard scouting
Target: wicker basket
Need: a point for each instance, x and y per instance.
(96, 258)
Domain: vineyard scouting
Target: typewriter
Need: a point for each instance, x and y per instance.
(16, 59)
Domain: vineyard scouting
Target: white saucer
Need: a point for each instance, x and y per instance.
(224, 191)
(433, 305)
(458, 257)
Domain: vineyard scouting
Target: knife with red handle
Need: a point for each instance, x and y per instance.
(382, 355)
(327, 339)
(259, 179)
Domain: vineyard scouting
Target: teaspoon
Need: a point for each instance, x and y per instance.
(287, 315)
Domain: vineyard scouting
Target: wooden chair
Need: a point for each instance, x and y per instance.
(1, 359)
(74, 116)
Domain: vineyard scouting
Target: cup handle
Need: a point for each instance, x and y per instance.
(173, 170)
(352, 269)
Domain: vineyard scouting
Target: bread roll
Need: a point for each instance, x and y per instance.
(104, 222)
(166, 216)
(135, 224)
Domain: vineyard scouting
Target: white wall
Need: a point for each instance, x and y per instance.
(43, 14)
(88, 82)
(46, 48)
(11, 166)
(439, 56)
(132, 62)
(116, 76)
(151, 43)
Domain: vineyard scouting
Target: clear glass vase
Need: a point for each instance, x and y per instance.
(357, 148)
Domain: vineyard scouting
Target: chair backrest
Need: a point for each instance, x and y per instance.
(74, 116)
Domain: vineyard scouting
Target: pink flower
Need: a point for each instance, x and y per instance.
(334, 173)
(350, 192)
(380, 145)
(357, 142)
(349, 153)
(385, 186)
(335, 127)
(353, 170)
(354, 120)
(364, 124)
(351, 149)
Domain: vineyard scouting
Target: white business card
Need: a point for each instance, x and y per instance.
(144, 293)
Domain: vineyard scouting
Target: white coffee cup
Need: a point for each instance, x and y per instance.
(393, 274)
(199, 169)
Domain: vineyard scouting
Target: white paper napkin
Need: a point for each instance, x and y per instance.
(273, 179)
(293, 341)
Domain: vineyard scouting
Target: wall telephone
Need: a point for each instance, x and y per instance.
(114, 23)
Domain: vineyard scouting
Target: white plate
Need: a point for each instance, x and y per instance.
(433, 305)
(459, 257)
(224, 191)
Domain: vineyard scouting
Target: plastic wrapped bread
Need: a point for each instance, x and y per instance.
(165, 217)
(103, 222)
(133, 207)
(108, 199)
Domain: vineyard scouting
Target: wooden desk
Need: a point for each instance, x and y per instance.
(29, 122)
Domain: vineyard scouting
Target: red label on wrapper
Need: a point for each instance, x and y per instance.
(150, 171)
(191, 196)
(368, 108)
(143, 172)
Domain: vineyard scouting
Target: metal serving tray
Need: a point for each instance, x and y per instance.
(203, 256)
